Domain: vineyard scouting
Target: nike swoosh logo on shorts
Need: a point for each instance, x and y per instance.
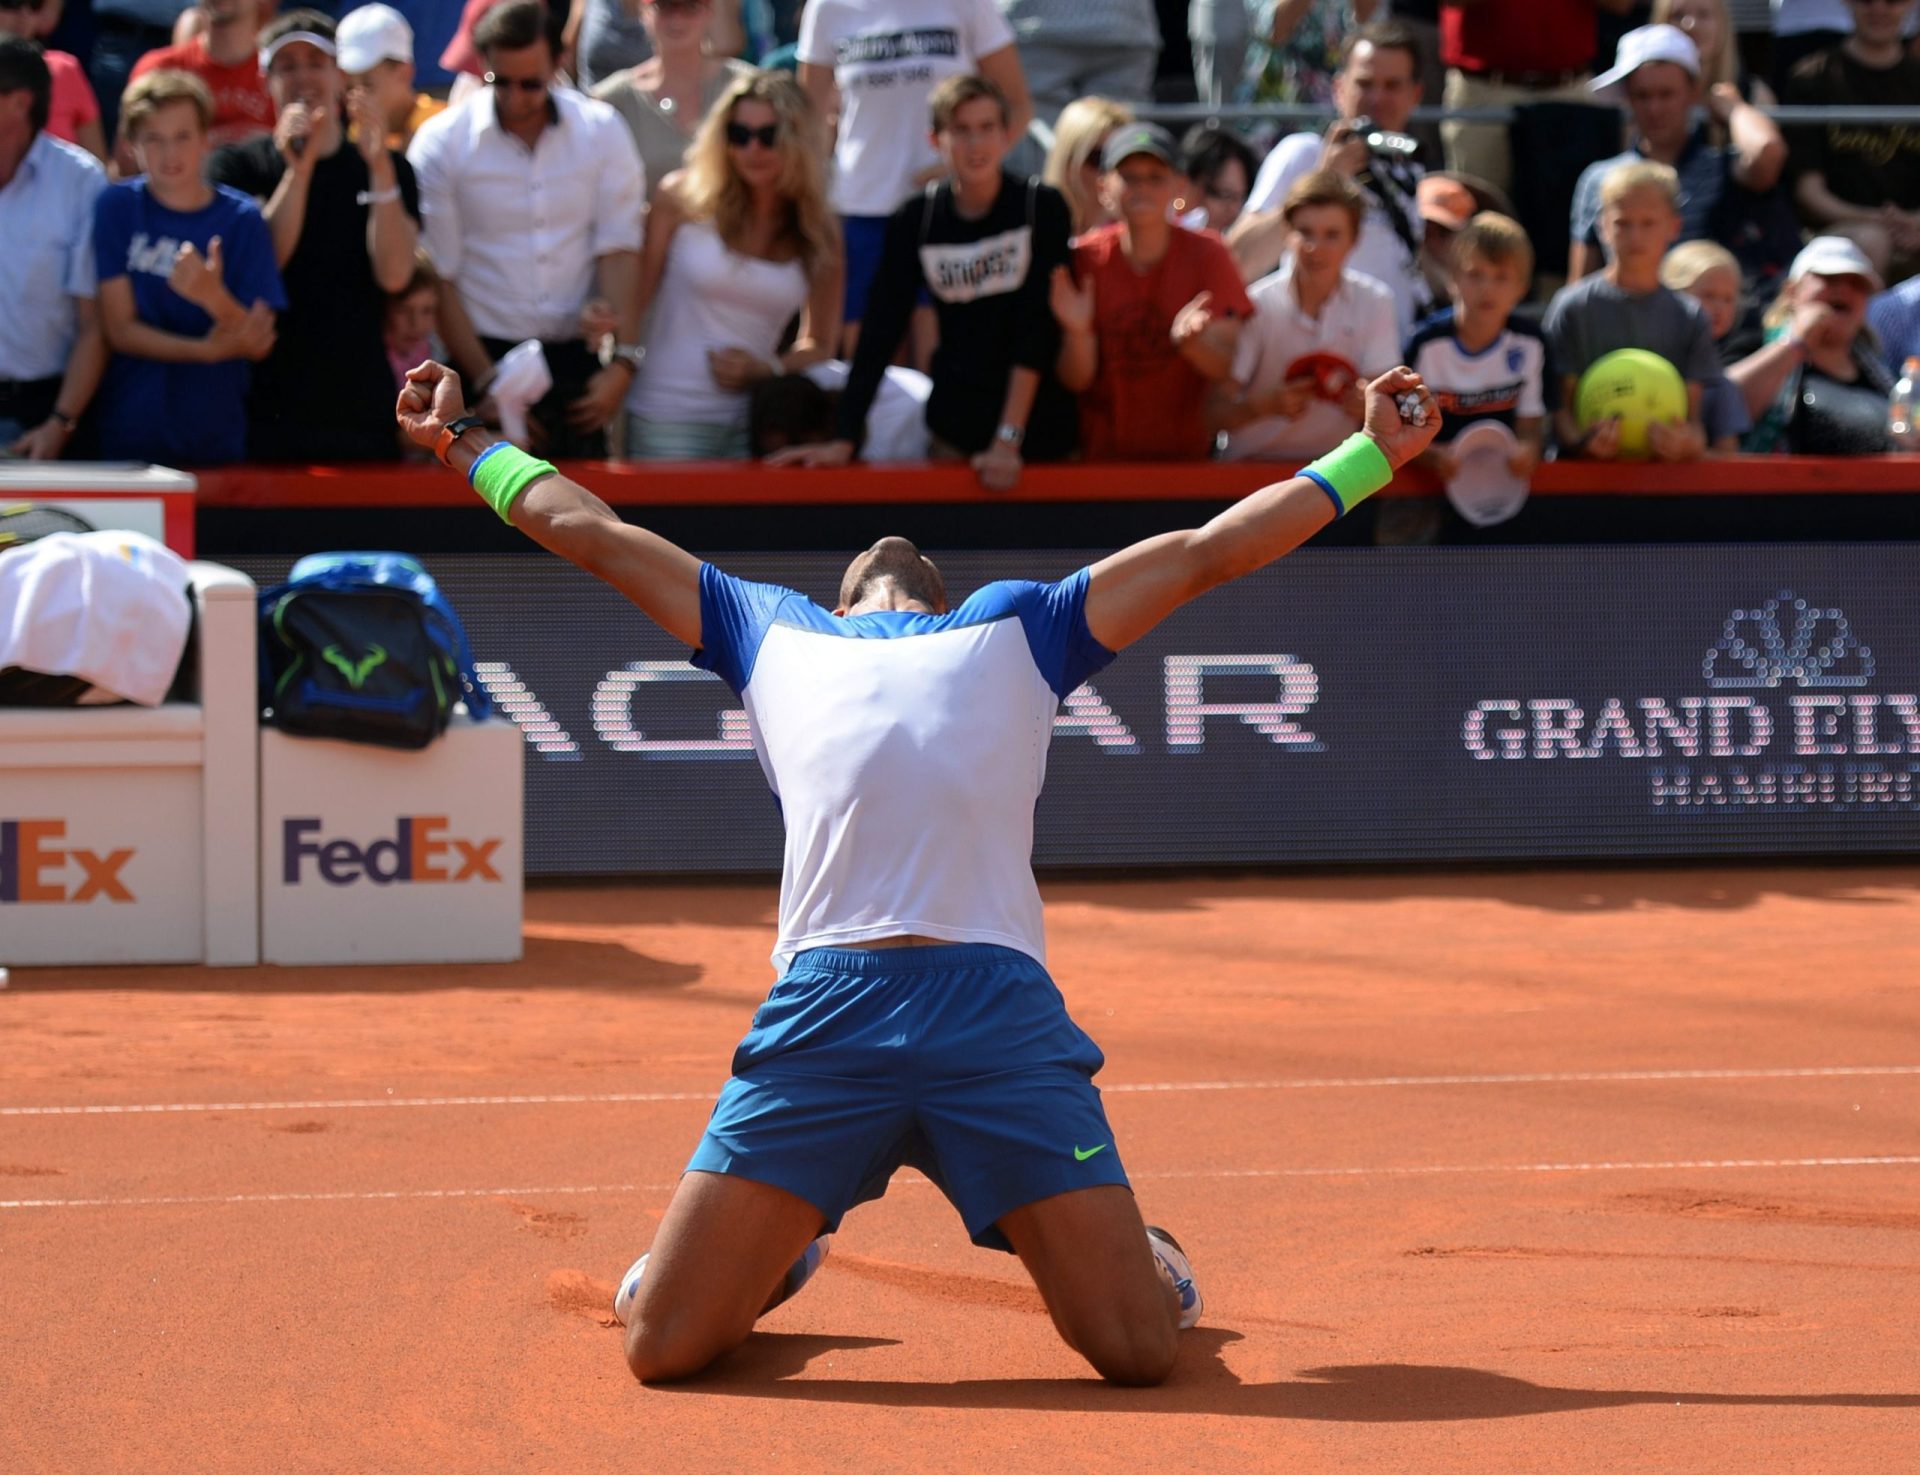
(1080, 1157)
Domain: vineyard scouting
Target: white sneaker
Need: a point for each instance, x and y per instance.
(629, 1288)
(798, 1274)
(1177, 1271)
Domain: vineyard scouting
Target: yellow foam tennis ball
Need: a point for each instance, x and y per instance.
(1635, 387)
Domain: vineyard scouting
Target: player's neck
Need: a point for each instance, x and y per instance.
(887, 597)
(1880, 56)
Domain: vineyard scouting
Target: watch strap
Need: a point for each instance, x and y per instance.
(454, 429)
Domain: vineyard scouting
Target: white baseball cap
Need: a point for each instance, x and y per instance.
(373, 34)
(1833, 256)
(1640, 46)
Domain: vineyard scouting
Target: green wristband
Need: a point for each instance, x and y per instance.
(1351, 472)
(502, 472)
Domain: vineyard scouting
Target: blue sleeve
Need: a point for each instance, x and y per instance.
(1055, 619)
(734, 619)
(251, 274)
(112, 232)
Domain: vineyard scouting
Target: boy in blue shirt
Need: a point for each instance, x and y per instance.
(188, 288)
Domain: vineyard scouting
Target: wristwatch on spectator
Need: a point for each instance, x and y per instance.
(1009, 435)
(631, 354)
(454, 429)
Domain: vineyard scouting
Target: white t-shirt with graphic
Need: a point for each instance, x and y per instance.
(887, 56)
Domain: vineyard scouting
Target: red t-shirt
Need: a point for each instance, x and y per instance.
(1146, 402)
(72, 105)
(1519, 36)
(241, 104)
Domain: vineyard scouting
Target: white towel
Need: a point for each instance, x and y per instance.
(109, 607)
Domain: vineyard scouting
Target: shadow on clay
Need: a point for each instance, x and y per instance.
(569, 963)
(1375, 1393)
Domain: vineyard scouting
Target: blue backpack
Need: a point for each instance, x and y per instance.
(364, 647)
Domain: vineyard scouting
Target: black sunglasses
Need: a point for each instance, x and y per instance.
(525, 84)
(739, 135)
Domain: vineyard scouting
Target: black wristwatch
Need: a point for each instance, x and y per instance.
(451, 432)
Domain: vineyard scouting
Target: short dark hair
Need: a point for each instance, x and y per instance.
(514, 26)
(1386, 35)
(898, 561)
(788, 410)
(23, 68)
(1207, 148)
(955, 92)
(289, 21)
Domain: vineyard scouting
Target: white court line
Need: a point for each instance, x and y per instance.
(1413, 1170)
(1326, 1083)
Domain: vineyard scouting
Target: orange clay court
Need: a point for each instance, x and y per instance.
(1605, 1170)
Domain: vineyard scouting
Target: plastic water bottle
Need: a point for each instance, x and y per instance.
(1903, 408)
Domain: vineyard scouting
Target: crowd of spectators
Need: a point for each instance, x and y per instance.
(720, 229)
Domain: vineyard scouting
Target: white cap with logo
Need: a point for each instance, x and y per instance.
(1636, 49)
(372, 34)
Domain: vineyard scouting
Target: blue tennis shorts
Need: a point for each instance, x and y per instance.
(958, 1060)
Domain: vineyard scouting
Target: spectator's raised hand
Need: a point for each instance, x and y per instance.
(1071, 301)
(600, 401)
(366, 125)
(1193, 320)
(822, 453)
(998, 467)
(430, 400)
(1345, 151)
(44, 442)
(1817, 325)
(737, 369)
(292, 131)
(1602, 442)
(247, 335)
(1682, 442)
(597, 320)
(1290, 400)
(198, 278)
(1400, 437)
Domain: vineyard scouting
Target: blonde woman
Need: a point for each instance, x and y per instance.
(738, 242)
(1073, 163)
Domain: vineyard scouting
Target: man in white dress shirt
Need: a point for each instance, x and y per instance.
(531, 200)
(51, 352)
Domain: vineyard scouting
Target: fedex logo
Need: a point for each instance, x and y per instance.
(416, 852)
(35, 869)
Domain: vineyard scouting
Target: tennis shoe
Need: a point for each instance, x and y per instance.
(798, 1274)
(1177, 1271)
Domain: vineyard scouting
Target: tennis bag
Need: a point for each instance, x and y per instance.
(364, 647)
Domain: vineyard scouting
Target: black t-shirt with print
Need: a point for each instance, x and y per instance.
(1864, 163)
(326, 391)
(988, 281)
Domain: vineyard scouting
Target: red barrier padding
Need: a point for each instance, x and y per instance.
(727, 483)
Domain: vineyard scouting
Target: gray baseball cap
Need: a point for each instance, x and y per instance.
(1140, 138)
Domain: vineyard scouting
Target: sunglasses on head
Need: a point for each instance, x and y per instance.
(525, 84)
(739, 135)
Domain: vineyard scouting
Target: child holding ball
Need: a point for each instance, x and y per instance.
(1625, 306)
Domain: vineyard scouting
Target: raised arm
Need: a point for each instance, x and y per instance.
(562, 516)
(1135, 589)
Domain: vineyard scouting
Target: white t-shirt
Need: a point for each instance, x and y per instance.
(906, 751)
(897, 420)
(1353, 338)
(1380, 252)
(887, 56)
(710, 298)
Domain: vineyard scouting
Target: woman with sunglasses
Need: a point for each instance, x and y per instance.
(737, 243)
(663, 99)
